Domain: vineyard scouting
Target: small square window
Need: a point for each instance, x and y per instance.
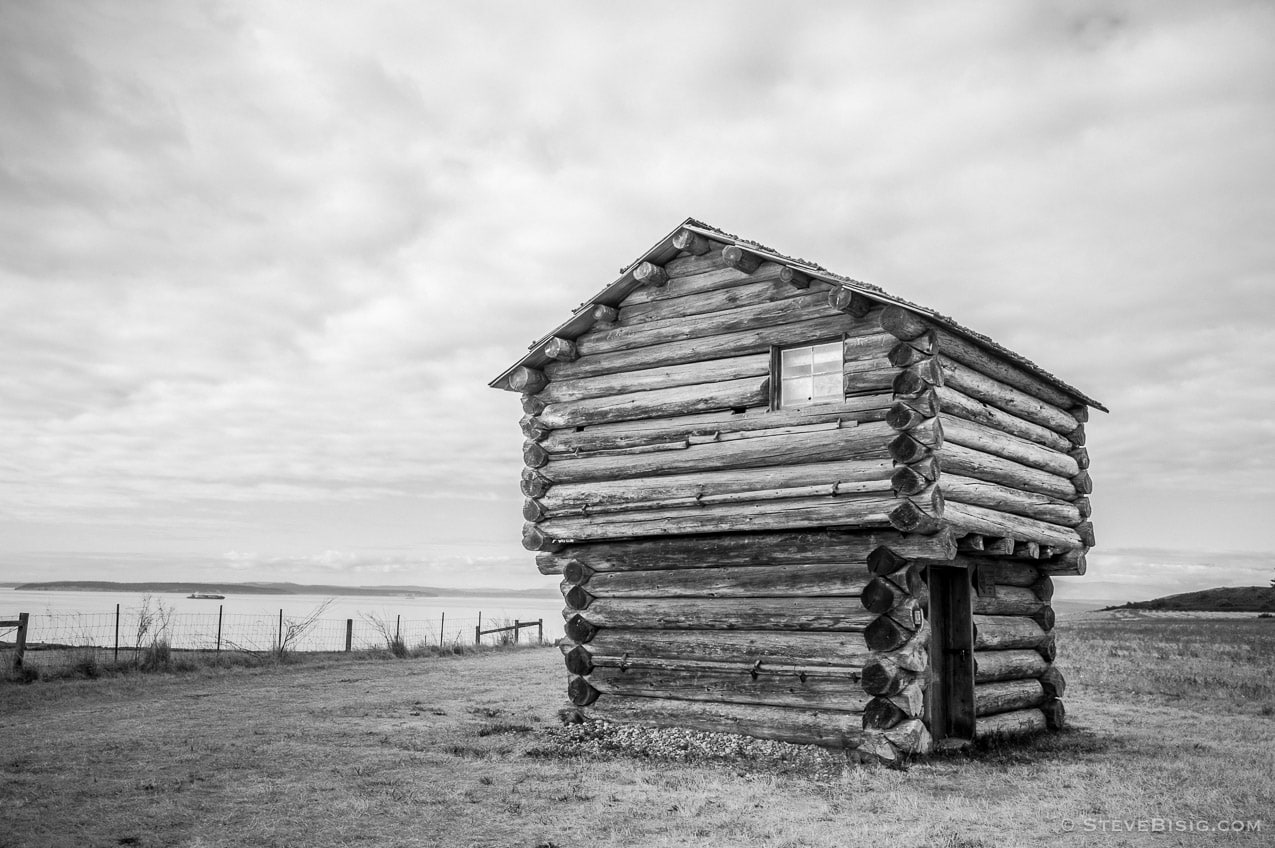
(809, 375)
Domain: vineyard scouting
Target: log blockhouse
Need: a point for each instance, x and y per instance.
(788, 504)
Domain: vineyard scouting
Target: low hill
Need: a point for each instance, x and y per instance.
(1236, 599)
(182, 587)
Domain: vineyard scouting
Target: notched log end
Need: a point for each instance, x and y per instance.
(692, 243)
(650, 274)
(741, 260)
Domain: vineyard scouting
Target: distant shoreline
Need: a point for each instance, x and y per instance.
(270, 588)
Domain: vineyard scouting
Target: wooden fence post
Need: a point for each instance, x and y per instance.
(517, 627)
(349, 634)
(20, 645)
(540, 628)
(441, 622)
(117, 633)
(220, 608)
(398, 623)
(279, 640)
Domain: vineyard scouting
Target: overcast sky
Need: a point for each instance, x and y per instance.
(258, 260)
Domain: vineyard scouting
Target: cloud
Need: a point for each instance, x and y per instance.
(258, 262)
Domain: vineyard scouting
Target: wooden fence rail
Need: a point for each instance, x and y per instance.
(539, 624)
(20, 642)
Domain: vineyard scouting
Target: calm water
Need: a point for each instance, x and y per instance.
(252, 621)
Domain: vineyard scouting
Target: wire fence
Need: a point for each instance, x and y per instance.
(131, 629)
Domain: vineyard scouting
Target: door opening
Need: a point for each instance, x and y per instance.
(950, 698)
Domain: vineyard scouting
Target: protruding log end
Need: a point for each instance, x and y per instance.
(1085, 531)
(1003, 546)
(907, 517)
(579, 660)
(903, 355)
(882, 714)
(1044, 588)
(576, 572)
(794, 278)
(532, 405)
(1044, 617)
(527, 380)
(1027, 550)
(1055, 714)
(692, 243)
(885, 634)
(741, 260)
(1083, 483)
(534, 540)
(603, 314)
(918, 378)
(1048, 648)
(882, 676)
(906, 480)
(577, 629)
(902, 323)
(581, 692)
(577, 598)
(1081, 455)
(852, 303)
(563, 350)
(532, 428)
(533, 510)
(907, 450)
(881, 596)
(1083, 506)
(884, 562)
(534, 484)
(650, 274)
(1053, 683)
(534, 456)
(903, 417)
(1076, 436)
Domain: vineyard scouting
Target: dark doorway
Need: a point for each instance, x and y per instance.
(951, 693)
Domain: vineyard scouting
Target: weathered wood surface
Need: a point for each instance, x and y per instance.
(609, 495)
(669, 376)
(1002, 572)
(1052, 681)
(908, 325)
(977, 519)
(703, 614)
(658, 403)
(966, 462)
(1016, 723)
(743, 343)
(1051, 510)
(747, 581)
(801, 726)
(725, 321)
(709, 551)
(579, 655)
(1008, 695)
(1068, 564)
(707, 274)
(1009, 600)
(770, 647)
(987, 439)
(994, 666)
(866, 441)
(831, 690)
(691, 242)
(1006, 632)
(771, 514)
(701, 303)
(1006, 397)
(955, 403)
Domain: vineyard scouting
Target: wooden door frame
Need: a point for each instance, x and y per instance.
(950, 696)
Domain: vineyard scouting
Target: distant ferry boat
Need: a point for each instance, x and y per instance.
(205, 596)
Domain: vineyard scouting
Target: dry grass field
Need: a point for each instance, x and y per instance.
(1172, 718)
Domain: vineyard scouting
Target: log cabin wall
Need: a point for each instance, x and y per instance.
(1017, 688)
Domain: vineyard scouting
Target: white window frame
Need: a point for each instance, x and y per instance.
(809, 398)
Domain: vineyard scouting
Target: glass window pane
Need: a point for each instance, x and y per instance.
(827, 358)
(794, 393)
(827, 387)
(795, 356)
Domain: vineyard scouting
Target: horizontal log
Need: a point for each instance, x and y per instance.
(758, 340)
(998, 546)
(775, 514)
(993, 666)
(723, 425)
(740, 581)
(649, 274)
(1003, 572)
(977, 519)
(684, 328)
(832, 690)
(955, 403)
(1009, 600)
(609, 495)
(708, 276)
(1006, 696)
(863, 442)
(703, 303)
(710, 551)
(581, 656)
(987, 439)
(1015, 723)
(909, 516)
(658, 403)
(965, 462)
(563, 350)
(802, 726)
(691, 242)
(881, 675)
(758, 614)
(668, 376)
(968, 490)
(741, 258)
(533, 483)
(1007, 632)
(880, 595)
(1028, 550)
(908, 325)
(527, 380)
(793, 277)
(1005, 397)
(743, 646)
(851, 302)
